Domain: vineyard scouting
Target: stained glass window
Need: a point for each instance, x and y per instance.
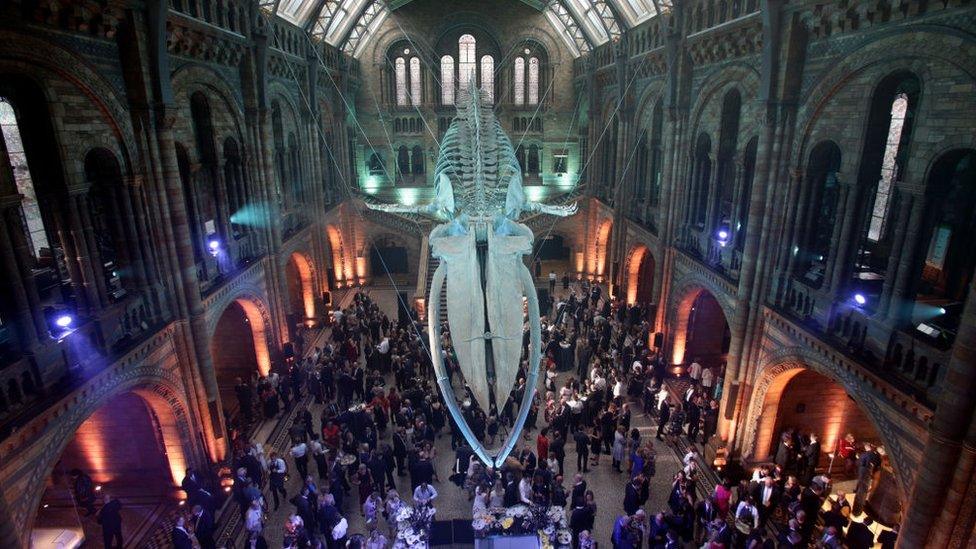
(415, 93)
(519, 98)
(401, 82)
(447, 80)
(488, 79)
(882, 197)
(533, 81)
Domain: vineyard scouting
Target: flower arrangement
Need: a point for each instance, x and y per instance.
(548, 523)
(413, 527)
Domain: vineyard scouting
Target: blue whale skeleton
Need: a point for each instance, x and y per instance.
(480, 244)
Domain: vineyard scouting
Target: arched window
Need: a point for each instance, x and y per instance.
(745, 193)
(520, 156)
(882, 195)
(401, 82)
(22, 178)
(533, 160)
(702, 175)
(403, 161)
(519, 80)
(656, 152)
(727, 145)
(893, 106)
(375, 164)
(533, 91)
(415, 82)
(467, 65)
(820, 215)
(488, 79)
(447, 80)
(417, 159)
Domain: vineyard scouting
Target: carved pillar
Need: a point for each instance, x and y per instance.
(78, 254)
(840, 240)
(942, 449)
(198, 339)
(794, 224)
(896, 298)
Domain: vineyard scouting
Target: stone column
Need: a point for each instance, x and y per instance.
(15, 278)
(74, 231)
(901, 271)
(794, 224)
(935, 478)
(840, 241)
(198, 333)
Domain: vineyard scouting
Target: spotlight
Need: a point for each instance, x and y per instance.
(723, 234)
(860, 299)
(942, 310)
(63, 321)
(98, 487)
(214, 245)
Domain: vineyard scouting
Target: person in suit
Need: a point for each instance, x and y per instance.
(811, 456)
(766, 496)
(705, 513)
(181, 538)
(582, 450)
(663, 417)
(859, 535)
(579, 490)
(580, 518)
(632, 496)
(203, 527)
(888, 538)
(110, 517)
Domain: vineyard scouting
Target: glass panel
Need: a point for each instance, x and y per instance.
(488, 79)
(519, 98)
(447, 80)
(401, 82)
(467, 66)
(415, 94)
(899, 107)
(534, 81)
(22, 176)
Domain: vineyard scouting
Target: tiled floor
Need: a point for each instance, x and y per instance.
(452, 502)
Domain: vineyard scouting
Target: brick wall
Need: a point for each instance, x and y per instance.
(813, 403)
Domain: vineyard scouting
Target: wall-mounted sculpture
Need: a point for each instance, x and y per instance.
(479, 196)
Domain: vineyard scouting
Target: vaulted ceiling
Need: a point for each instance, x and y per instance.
(582, 24)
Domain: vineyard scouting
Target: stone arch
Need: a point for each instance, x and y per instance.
(341, 268)
(601, 249)
(300, 274)
(258, 317)
(682, 299)
(161, 390)
(640, 272)
(226, 106)
(780, 367)
(742, 77)
(928, 43)
(29, 54)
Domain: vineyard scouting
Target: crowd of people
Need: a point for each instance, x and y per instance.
(372, 449)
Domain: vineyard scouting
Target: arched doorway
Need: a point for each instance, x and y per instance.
(239, 348)
(640, 276)
(701, 332)
(598, 262)
(792, 398)
(301, 294)
(131, 449)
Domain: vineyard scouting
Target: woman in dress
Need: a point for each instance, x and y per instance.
(497, 497)
(619, 448)
(723, 495)
(364, 479)
(596, 444)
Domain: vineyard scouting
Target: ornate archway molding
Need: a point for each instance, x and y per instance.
(786, 359)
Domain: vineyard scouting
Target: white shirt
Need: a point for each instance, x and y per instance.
(695, 370)
(299, 450)
(424, 493)
(755, 514)
(525, 491)
(252, 520)
(384, 346)
(277, 465)
(707, 377)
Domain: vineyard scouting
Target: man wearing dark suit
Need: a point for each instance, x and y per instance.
(181, 538)
(811, 456)
(558, 447)
(203, 527)
(511, 492)
(766, 494)
(580, 518)
(110, 517)
(582, 450)
(579, 491)
(400, 449)
(632, 497)
(663, 418)
(705, 513)
(859, 535)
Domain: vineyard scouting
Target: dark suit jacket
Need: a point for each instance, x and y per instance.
(579, 492)
(109, 516)
(203, 526)
(757, 493)
(859, 536)
(181, 540)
